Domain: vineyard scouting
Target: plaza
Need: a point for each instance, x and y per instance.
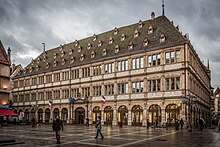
(129, 136)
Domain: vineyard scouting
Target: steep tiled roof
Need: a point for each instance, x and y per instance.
(3, 55)
(128, 39)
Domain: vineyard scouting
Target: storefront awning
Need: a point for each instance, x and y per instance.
(7, 112)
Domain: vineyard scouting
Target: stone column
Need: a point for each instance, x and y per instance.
(115, 122)
(43, 116)
(68, 115)
(51, 116)
(129, 118)
(102, 116)
(163, 116)
(144, 119)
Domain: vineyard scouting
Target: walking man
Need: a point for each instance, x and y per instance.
(181, 123)
(57, 126)
(98, 127)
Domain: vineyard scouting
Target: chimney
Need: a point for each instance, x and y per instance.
(152, 15)
(9, 55)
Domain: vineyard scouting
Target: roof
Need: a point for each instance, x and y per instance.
(99, 45)
(3, 55)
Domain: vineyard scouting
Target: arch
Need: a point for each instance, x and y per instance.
(40, 115)
(56, 113)
(64, 114)
(26, 115)
(137, 114)
(47, 115)
(96, 113)
(108, 115)
(172, 113)
(123, 115)
(79, 115)
(155, 114)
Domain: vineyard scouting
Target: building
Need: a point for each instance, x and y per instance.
(215, 105)
(4, 75)
(147, 71)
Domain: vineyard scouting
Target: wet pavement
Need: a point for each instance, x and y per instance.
(128, 136)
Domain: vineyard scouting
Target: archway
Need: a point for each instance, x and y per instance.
(123, 115)
(64, 114)
(79, 115)
(96, 113)
(26, 116)
(137, 113)
(108, 115)
(172, 113)
(154, 114)
(40, 115)
(47, 115)
(56, 113)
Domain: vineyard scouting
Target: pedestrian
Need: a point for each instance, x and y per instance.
(57, 126)
(33, 121)
(87, 121)
(98, 128)
(177, 125)
(181, 124)
(201, 124)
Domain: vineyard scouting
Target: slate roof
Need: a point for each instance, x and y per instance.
(162, 27)
(3, 55)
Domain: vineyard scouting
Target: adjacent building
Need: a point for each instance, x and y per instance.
(147, 71)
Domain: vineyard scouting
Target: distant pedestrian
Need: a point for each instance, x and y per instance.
(177, 125)
(201, 124)
(98, 128)
(33, 122)
(57, 126)
(181, 124)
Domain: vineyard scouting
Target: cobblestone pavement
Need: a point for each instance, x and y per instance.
(118, 137)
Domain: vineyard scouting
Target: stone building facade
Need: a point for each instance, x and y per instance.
(147, 71)
(4, 75)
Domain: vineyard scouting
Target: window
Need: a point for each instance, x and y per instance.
(75, 74)
(137, 87)
(138, 63)
(167, 57)
(123, 37)
(115, 31)
(149, 61)
(173, 57)
(33, 97)
(153, 85)
(178, 83)
(40, 96)
(100, 43)
(56, 94)
(104, 52)
(178, 56)
(86, 92)
(146, 41)
(97, 70)
(109, 68)
(34, 81)
(74, 92)
(110, 40)
(158, 59)
(122, 88)
(167, 83)
(48, 95)
(65, 75)
(109, 89)
(41, 80)
(97, 90)
(93, 55)
(173, 83)
(82, 57)
(72, 59)
(85, 72)
(56, 77)
(27, 82)
(117, 49)
(153, 60)
(21, 83)
(65, 93)
(150, 30)
(136, 33)
(123, 65)
(21, 98)
(48, 78)
(15, 98)
(27, 97)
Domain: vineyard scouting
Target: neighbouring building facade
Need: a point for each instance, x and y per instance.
(147, 71)
(215, 104)
(4, 75)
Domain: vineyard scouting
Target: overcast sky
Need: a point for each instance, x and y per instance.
(25, 24)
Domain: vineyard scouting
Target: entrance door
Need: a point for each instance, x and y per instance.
(79, 115)
(123, 115)
(96, 113)
(137, 113)
(172, 113)
(108, 115)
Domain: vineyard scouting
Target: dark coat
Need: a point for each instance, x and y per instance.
(98, 125)
(57, 125)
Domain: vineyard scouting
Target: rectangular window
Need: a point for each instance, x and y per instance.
(56, 77)
(154, 60)
(33, 97)
(149, 61)
(178, 56)
(122, 65)
(141, 86)
(74, 93)
(21, 83)
(142, 62)
(122, 88)
(172, 83)
(154, 85)
(133, 64)
(149, 85)
(137, 87)
(27, 82)
(167, 84)
(119, 66)
(48, 78)
(178, 83)
(158, 85)
(86, 72)
(172, 56)
(126, 64)
(34, 81)
(15, 98)
(137, 63)
(65, 75)
(74, 74)
(133, 87)
(41, 80)
(97, 90)
(158, 59)
(167, 57)
(126, 87)
(109, 89)
(86, 92)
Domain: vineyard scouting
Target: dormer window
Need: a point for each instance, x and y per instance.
(62, 53)
(45, 55)
(37, 67)
(24, 71)
(123, 37)
(47, 65)
(92, 54)
(63, 61)
(79, 49)
(76, 42)
(150, 30)
(140, 24)
(162, 38)
(100, 43)
(136, 33)
(146, 41)
(104, 52)
(94, 37)
(38, 60)
(115, 31)
(55, 55)
(111, 40)
(89, 46)
(54, 63)
(82, 57)
(70, 51)
(32, 62)
(61, 47)
(72, 59)
(116, 49)
(130, 46)
(30, 69)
